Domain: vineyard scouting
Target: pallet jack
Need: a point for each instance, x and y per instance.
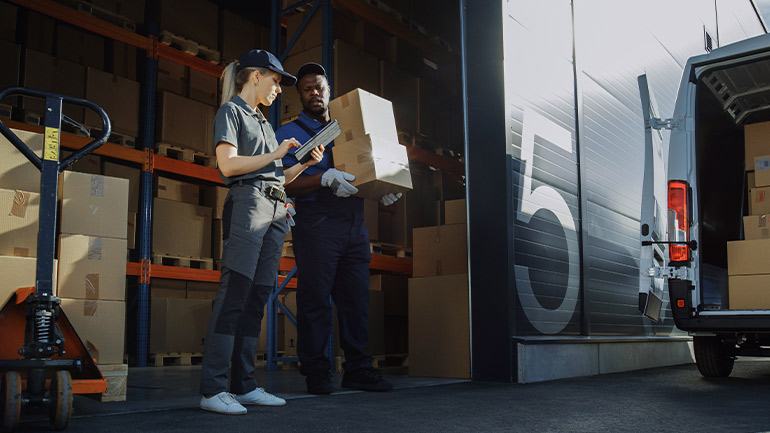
(43, 362)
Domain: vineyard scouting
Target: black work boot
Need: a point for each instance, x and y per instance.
(367, 379)
(319, 383)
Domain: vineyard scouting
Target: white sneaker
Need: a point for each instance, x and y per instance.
(223, 403)
(260, 397)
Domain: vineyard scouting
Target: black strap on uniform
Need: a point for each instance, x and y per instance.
(311, 133)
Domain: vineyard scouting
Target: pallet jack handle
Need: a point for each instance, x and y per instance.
(68, 161)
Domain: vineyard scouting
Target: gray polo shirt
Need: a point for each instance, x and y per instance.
(239, 124)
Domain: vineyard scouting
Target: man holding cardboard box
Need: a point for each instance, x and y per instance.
(331, 247)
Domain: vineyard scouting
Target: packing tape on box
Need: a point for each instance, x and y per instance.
(92, 287)
(345, 99)
(89, 308)
(97, 185)
(20, 252)
(348, 135)
(94, 248)
(20, 202)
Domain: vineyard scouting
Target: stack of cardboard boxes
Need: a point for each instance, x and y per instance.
(180, 226)
(439, 333)
(748, 269)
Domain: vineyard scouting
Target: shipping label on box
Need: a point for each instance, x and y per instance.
(93, 205)
(19, 223)
(361, 113)
(760, 200)
(380, 166)
(762, 170)
(181, 229)
(755, 227)
(20, 272)
(100, 325)
(748, 257)
(92, 267)
(440, 250)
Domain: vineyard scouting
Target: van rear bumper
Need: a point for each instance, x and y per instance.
(688, 319)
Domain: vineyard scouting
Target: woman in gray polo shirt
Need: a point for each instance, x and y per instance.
(254, 224)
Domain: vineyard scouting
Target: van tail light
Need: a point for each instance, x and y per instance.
(679, 220)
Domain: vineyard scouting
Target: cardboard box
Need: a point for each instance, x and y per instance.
(755, 227)
(19, 223)
(118, 96)
(748, 257)
(185, 123)
(203, 87)
(92, 267)
(345, 28)
(11, 55)
(214, 197)
(20, 272)
(394, 288)
(100, 325)
(7, 21)
(16, 172)
(403, 91)
(177, 190)
(762, 170)
(217, 243)
(131, 9)
(40, 31)
(172, 77)
(168, 288)
(178, 325)
(91, 164)
(750, 292)
(193, 19)
(181, 229)
(202, 290)
(132, 174)
(371, 217)
(454, 211)
(93, 205)
(79, 46)
(759, 203)
(116, 376)
(440, 250)
(50, 74)
(439, 326)
(361, 113)
(757, 141)
(238, 35)
(131, 231)
(380, 166)
(124, 60)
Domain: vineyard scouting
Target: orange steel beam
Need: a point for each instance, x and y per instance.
(171, 165)
(183, 58)
(417, 154)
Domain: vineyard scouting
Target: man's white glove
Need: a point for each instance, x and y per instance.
(389, 199)
(290, 212)
(339, 182)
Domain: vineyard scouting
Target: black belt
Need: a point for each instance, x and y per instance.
(270, 190)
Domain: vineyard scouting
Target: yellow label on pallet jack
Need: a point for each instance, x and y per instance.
(51, 149)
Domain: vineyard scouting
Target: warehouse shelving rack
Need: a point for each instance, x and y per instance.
(150, 162)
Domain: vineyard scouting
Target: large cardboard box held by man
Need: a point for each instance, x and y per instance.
(19, 223)
(361, 113)
(380, 166)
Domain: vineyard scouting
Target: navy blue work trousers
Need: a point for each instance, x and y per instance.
(332, 254)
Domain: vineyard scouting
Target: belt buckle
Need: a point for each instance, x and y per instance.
(276, 193)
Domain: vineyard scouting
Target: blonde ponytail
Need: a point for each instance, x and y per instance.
(233, 80)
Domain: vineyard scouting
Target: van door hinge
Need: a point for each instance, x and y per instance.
(680, 273)
(658, 123)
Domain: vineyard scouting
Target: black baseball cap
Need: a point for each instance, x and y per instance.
(266, 59)
(310, 68)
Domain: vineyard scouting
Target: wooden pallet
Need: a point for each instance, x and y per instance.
(171, 359)
(116, 376)
(114, 138)
(106, 15)
(189, 46)
(183, 262)
(187, 155)
(384, 249)
(288, 249)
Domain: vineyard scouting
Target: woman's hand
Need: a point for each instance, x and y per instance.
(316, 155)
(283, 149)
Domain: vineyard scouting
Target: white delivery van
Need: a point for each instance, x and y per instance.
(718, 278)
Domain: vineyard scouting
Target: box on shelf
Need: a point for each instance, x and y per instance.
(19, 222)
(755, 227)
(345, 29)
(203, 88)
(93, 205)
(79, 46)
(748, 257)
(178, 325)
(749, 292)
(11, 55)
(185, 123)
(197, 20)
(454, 211)
(92, 267)
(759, 203)
(118, 96)
(214, 197)
(40, 31)
(20, 272)
(172, 77)
(16, 172)
(168, 288)
(762, 170)
(361, 113)
(50, 74)
(100, 325)
(380, 166)
(217, 244)
(202, 290)
(440, 250)
(439, 326)
(132, 174)
(124, 60)
(131, 231)
(181, 229)
(177, 190)
(131, 9)
(757, 141)
(403, 91)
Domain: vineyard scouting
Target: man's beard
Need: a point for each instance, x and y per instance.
(316, 111)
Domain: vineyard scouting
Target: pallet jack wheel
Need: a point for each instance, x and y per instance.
(60, 394)
(11, 399)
